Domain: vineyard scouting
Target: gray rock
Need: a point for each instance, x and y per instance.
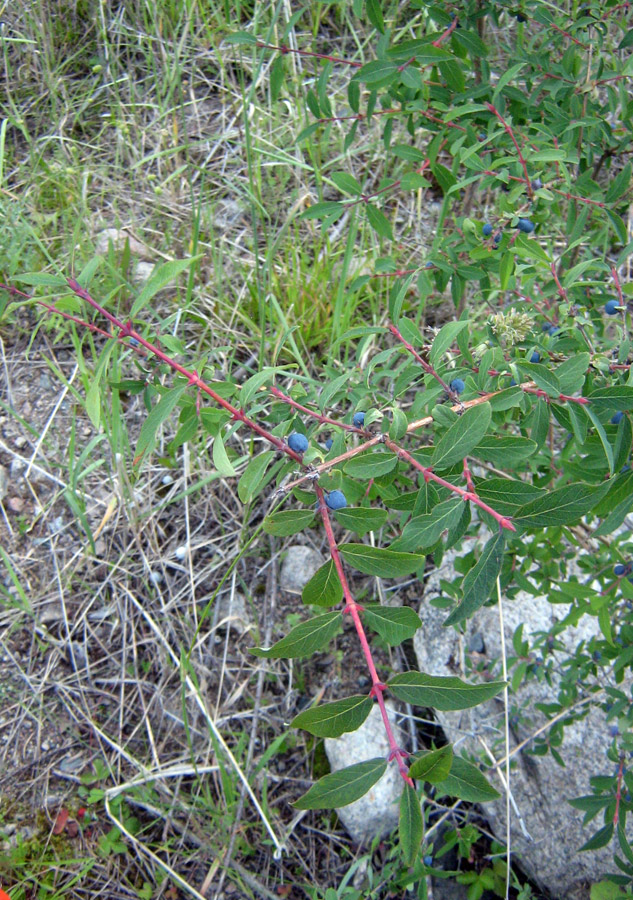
(551, 832)
(117, 237)
(4, 482)
(376, 812)
(298, 567)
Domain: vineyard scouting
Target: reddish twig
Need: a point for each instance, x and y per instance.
(427, 368)
(510, 132)
(353, 609)
(284, 49)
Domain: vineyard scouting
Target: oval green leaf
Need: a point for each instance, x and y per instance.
(384, 563)
(304, 639)
(393, 623)
(343, 787)
(324, 588)
(288, 521)
(444, 693)
(333, 719)
(433, 766)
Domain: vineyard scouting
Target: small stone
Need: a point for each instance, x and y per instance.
(16, 468)
(4, 482)
(299, 566)
(118, 237)
(16, 504)
(142, 271)
(20, 442)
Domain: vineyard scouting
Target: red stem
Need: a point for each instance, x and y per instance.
(353, 609)
(283, 49)
(427, 368)
(518, 149)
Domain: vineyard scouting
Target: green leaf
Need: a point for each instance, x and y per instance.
(255, 382)
(393, 623)
(602, 434)
(504, 451)
(240, 37)
(542, 377)
(378, 221)
(160, 278)
(571, 373)
(304, 639)
(466, 782)
(323, 209)
(562, 506)
(444, 339)
(505, 495)
(600, 839)
(424, 531)
(346, 183)
(410, 824)
(343, 787)
(374, 14)
(619, 185)
(619, 398)
(93, 403)
(378, 72)
(324, 588)
(370, 465)
(220, 458)
(377, 561)
(506, 268)
(440, 692)
(334, 719)
(288, 521)
(361, 520)
(157, 416)
(462, 436)
(251, 481)
(432, 766)
(276, 78)
(480, 580)
(471, 42)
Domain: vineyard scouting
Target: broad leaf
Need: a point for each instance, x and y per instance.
(466, 782)
(370, 465)
(393, 623)
(384, 563)
(288, 521)
(442, 692)
(333, 719)
(504, 451)
(361, 519)
(343, 787)
(304, 639)
(462, 436)
(562, 506)
(252, 480)
(432, 766)
(444, 339)
(157, 416)
(619, 398)
(324, 588)
(480, 580)
(424, 531)
(410, 825)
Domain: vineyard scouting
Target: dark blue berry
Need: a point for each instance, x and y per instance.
(597, 655)
(620, 569)
(536, 357)
(457, 385)
(359, 419)
(627, 797)
(617, 418)
(497, 237)
(614, 731)
(482, 136)
(336, 500)
(134, 342)
(428, 860)
(552, 330)
(525, 226)
(298, 442)
(487, 229)
(429, 265)
(611, 307)
(513, 382)
(328, 444)
(537, 184)
(520, 17)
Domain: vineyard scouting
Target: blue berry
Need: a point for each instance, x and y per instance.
(520, 17)
(429, 265)
(552, 330)
(513, 382)
(482, 135)
(457, 385)
(536, 357)
(597, 655)
(611, 307)
(328, 444)
(335, 500)
(617, 418)
(134, 342)
(525, 226)
(359, 419)
(298, 442)
(537, 184)
(619, 569)
(627, 797)
(428, 860)
(497, 237)
(487, 229)
(614, 731)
